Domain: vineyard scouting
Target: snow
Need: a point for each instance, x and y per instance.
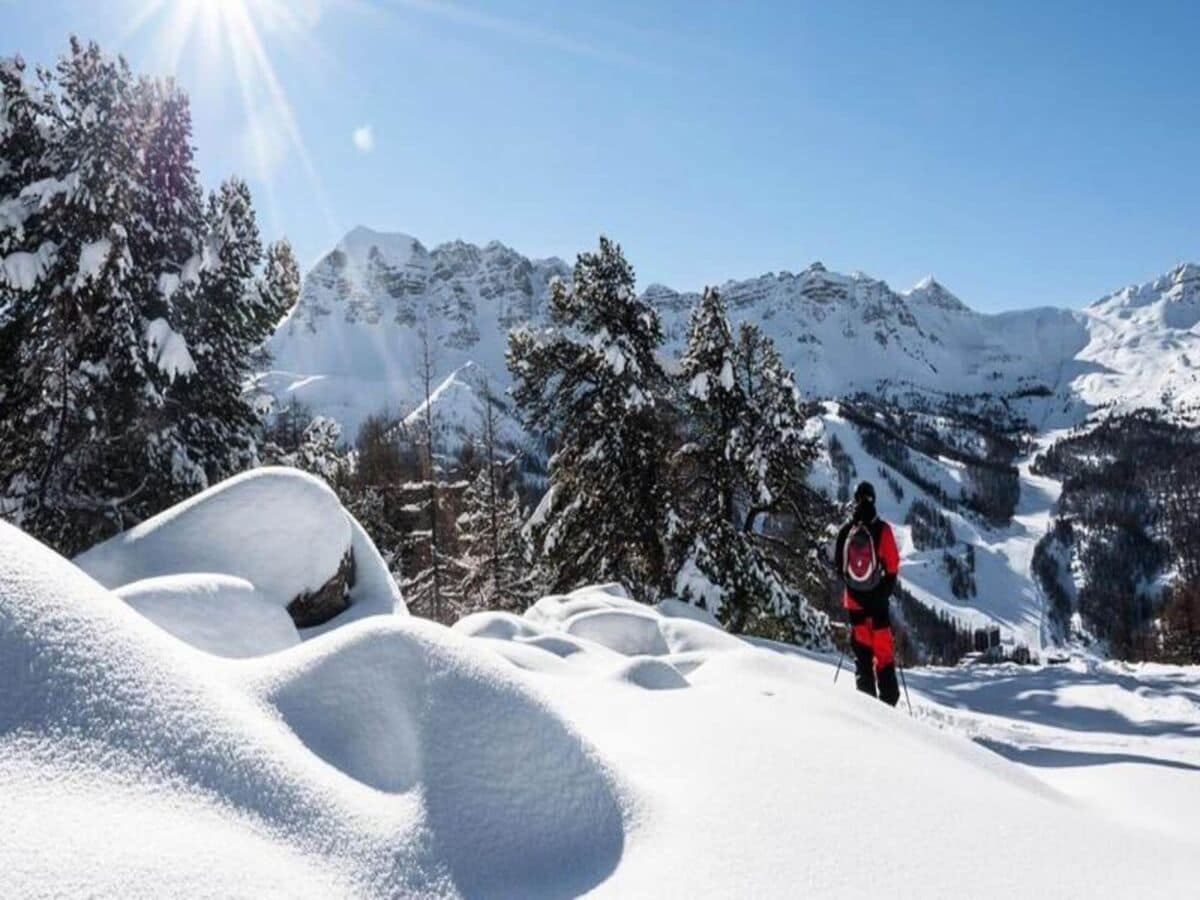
(281, 530)
(92, 259)
(168, 284)
(591, 745)
(219, 614)
(168, 350)
(22, 271)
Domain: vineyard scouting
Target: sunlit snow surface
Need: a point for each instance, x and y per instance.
(592, 744)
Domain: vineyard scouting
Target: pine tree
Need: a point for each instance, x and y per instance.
(494, 563)
(594, 384)
(84, 362)
(743, 457)
(227, 317)
(25, 251)
(318, 451)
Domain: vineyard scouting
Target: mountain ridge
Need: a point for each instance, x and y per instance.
(351, 344)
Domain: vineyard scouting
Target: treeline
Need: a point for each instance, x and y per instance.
(926, 637)
(132, 306)
(1128, 516)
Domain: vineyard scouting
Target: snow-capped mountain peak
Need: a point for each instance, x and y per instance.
(932, 293)
(359, 242)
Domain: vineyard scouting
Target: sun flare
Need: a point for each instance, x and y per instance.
(229, 44)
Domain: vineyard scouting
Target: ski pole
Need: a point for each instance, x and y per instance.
(904, 681)
(841, 659)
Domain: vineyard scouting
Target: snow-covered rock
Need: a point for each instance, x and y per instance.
(281, 530)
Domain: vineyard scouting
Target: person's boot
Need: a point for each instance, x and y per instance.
(889, 689)
(864, 668)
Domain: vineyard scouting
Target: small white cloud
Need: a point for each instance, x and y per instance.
(364, 139)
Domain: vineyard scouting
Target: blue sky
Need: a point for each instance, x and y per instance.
(1024, 153)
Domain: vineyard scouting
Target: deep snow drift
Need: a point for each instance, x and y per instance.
(592, 744)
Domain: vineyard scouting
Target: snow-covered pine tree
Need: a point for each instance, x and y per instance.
(107, 263)
(84, 360)
(166, 237)
(318, 451)
(742, 428)
(494, 565)
(494, 558)
(717, 565)
(25, 251)
(594, 384)
(776, 456)
(229, 314)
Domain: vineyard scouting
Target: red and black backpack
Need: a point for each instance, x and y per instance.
(860, 561)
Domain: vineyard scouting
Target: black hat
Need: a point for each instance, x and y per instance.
(864, 493)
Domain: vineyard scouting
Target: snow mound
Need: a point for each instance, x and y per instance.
(510, 792)
(220, 614)
(650, 673)
(604, 616)
(388, 758)
(681, 609)
(627, 632)
(501, 625)
(282, 530)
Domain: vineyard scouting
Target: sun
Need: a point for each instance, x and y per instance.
(226, 41)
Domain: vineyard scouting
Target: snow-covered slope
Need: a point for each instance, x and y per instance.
(591, 745)
(459, 405)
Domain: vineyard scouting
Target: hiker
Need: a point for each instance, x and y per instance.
(868, 562)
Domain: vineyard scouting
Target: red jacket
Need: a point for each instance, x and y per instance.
(876, 599)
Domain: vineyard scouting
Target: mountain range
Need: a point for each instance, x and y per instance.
(352, 345)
